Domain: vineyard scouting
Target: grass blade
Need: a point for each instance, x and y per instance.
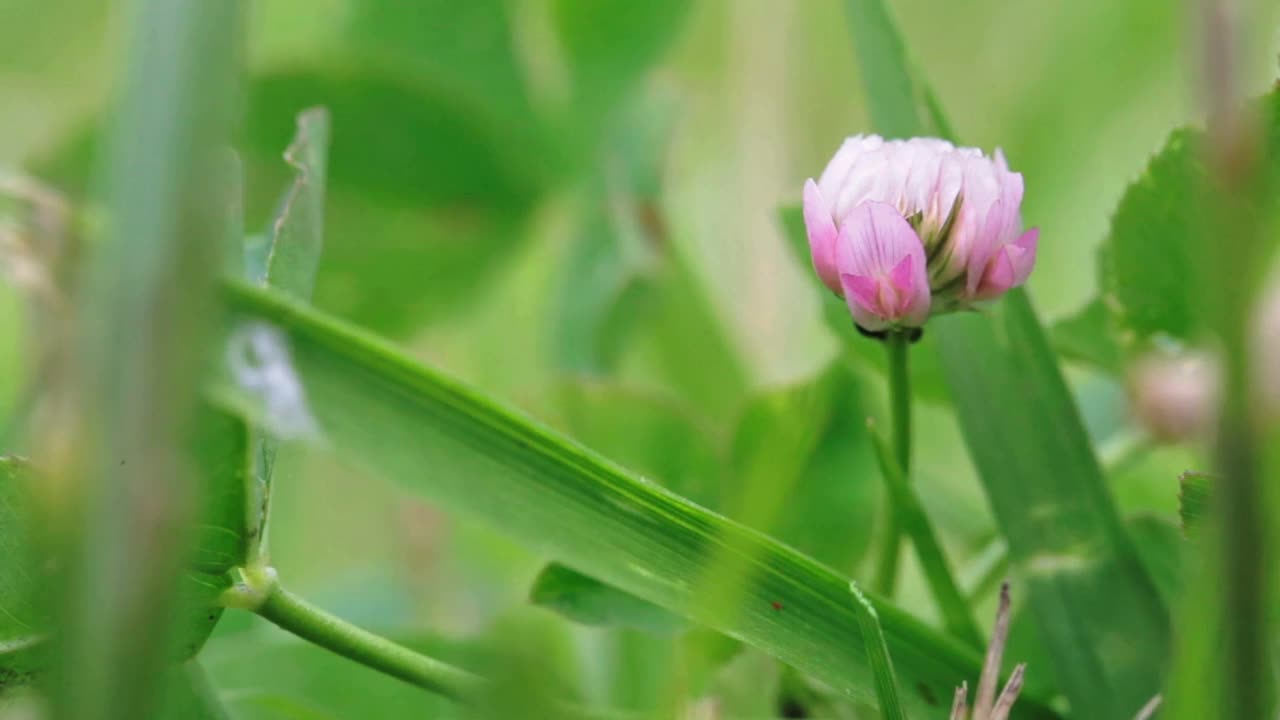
(1087, 587)
(412, 425)
(877, 656)
(955, 610)
(886, 74)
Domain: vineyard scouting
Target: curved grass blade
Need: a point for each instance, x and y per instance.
(877, 656)
(437, 437)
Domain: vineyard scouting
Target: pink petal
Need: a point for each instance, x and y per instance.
(876, 243)
(821, 228)
(1026, 260)
(863, 290)
(1009, 267)
(999, 275)
(863, 296)
(902, 274)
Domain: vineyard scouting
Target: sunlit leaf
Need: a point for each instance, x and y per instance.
(414, 426)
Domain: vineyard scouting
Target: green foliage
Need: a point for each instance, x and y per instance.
(1193, 502)
(288, 253)
(224, 532)
(187, 695)
(1087, 337)
(1152, 261)
(591, 602)
(1164, 552)
(607, 46)
(890, 86)
(1149, 262)
(22, 616)
(877, 656)
(394, 417)
(954, 608)
(1066, 541)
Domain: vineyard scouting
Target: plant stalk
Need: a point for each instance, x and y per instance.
(897, 344)
(309, 622)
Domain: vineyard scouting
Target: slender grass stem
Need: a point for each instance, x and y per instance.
(897, 345)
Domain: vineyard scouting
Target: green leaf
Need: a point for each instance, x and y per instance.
(463, 58)
(1193, 502)
(290, 252)
(423, 202)
(23, 618)
(831, 507)
(608, 44)
(878, 656)
(1148, 262)
(676, 341)
(619, 245)
(647, 433)
(286, 257)
(225, 531)
(1087, 587)
(927, 380)
(801, 470)
(588, 601)
(1087, 337)
(412, 425)
(409, 143)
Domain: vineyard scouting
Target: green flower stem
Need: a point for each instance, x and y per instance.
(955, 610)
(261, 592)
(897, 344)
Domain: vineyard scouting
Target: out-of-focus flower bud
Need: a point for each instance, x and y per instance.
(907, 228)
(1175, 397)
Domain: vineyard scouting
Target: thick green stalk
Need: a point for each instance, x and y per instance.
(267, 598)
(124, 492)
(897, 345)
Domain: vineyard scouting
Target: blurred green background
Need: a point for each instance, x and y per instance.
(573, 206)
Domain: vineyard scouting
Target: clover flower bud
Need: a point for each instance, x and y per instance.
(905, 229)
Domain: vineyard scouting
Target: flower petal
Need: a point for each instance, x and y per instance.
(1009, 267)
(821, 228)
(880, 257)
